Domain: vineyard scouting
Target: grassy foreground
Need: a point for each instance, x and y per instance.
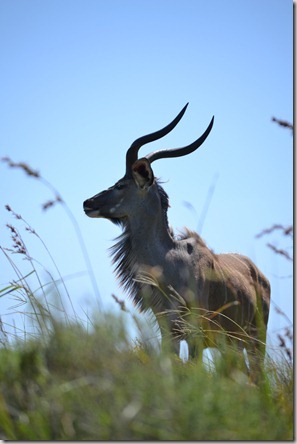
(74, 384)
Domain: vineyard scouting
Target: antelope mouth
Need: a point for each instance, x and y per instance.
(96, 213)
(91, 212)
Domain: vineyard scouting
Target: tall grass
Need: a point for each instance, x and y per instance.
(71, 380)
(75, 384)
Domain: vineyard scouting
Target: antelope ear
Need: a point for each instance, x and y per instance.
(142, 173)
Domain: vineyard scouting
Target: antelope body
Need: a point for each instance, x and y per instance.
(179, 276)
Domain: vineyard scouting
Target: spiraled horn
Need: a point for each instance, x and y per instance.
(177, 152)
(132, 152)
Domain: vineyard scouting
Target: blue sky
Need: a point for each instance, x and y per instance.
(80, 80)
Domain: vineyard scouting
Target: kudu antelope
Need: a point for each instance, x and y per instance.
(177, 276)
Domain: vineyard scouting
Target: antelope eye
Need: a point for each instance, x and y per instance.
(120, 186)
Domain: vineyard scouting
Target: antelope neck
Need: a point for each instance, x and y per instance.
(150, 234)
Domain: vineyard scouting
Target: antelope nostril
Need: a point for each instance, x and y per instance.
(88, 203)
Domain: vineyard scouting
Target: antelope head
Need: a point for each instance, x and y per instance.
(138, 190)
